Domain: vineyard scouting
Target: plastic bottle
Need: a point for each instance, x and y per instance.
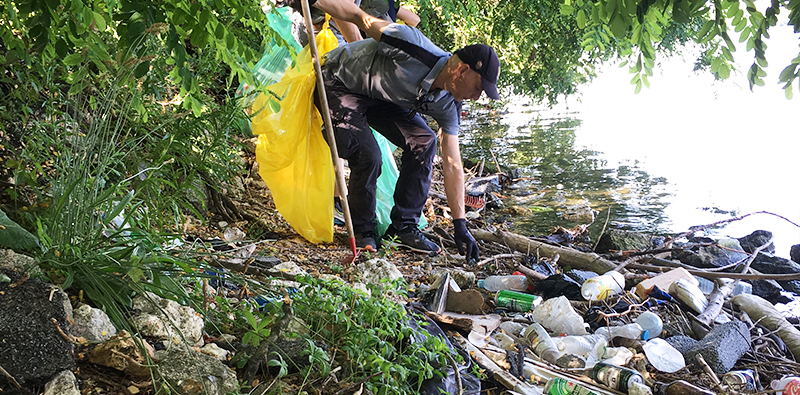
(558, 315)
(639, 389)
(541, 342)
(497, 283)
(663, 356)
(578, 345)
(789, 385)
(680, 387)
(651, 323)
(629, 331)
(559, 386)
(601, 287)
(615, 377)
(688, 293)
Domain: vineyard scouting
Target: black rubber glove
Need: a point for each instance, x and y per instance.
(297, 5)
(463, 236)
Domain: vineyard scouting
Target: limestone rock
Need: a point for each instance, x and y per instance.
(375, 270)
(122, 353)
(92, 324)
(164, 319)
(193, 373)
(63, 384)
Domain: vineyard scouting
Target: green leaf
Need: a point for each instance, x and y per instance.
(788, 92)
(14, 236)
(788, 73)
(274, 105)
(99, 21)
(618, 26)
(724, 71)
(141, 69)
(581, 19)
(73, 59)
(567, 9)
(220, 31)
(638, 87)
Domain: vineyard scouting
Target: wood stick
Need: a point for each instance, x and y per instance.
(568, 256)
(532, 274)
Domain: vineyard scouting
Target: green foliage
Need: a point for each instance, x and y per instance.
(639, 26)
(539, 47)
(14, 236)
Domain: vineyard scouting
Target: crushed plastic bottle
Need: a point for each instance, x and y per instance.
(688, 293)
(651, 323)
(579, 345)
(601, 287)
(629, 331)
(557, 315)
(498, 283)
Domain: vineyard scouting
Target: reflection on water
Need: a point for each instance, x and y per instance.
(560, 174)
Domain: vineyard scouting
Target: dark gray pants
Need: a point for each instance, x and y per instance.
(352, 115)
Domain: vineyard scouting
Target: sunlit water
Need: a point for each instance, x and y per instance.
(687, 151)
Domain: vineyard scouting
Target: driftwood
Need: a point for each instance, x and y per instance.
(568, 256)
(722, 290)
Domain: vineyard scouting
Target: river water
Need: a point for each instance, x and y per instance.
(687, 151)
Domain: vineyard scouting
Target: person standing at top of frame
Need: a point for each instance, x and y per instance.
(386, 82)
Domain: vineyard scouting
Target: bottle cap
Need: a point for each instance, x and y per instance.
(645, 334)
(480, 283)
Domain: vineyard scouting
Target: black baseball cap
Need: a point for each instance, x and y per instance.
(483, 59)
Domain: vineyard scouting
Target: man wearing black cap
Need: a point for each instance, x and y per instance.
(386, 83)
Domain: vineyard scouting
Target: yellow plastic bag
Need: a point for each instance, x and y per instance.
(294, 159)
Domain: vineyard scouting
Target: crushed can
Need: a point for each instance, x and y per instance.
(741, 380)
(516, 301)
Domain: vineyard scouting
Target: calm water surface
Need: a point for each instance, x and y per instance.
(688, 151)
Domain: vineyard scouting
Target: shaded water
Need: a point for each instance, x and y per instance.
(558, 173)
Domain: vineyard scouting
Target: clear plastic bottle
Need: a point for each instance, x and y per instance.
(651, 323)
(629, 331)
(601, 287)
(578, 345)
(498, 283)
(541, 342)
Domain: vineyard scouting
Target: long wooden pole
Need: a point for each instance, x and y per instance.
(326, 118)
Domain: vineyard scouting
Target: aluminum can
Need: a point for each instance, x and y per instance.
(741, 380)
(559, 386)
(516, 301)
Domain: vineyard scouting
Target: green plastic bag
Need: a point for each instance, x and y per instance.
(386, 184)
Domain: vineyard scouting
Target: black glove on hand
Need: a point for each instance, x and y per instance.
(463, 236)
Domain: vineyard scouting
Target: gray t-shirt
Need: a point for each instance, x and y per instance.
(400, 69)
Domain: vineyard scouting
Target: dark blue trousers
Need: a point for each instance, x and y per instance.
(351, 116)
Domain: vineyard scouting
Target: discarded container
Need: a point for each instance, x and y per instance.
(663, 281)
(663, 356)
(557, 315)
(651, 323)
(516, 301)
(504, 341)
(680, 387)
(541, 342)
(688, 293)
(601, 287)
(629, 331)
(742, 288)
(579, 345)
(619, 356)
(639, 389)
(615, 377)
(790, 385)
(559, 386)
(498, 283)
(741, 380)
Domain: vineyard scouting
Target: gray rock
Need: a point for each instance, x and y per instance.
(794, 253)
(189, 372)
(682, 343)
(767, 289)
(770, 264)
(63, 384)
(725, 253)
(375, 270)
(31, 349)
(11, 260)
(164, 319)
(623, 240)
(92, 324)
(722, 346)
(581, 213)
(757, 239)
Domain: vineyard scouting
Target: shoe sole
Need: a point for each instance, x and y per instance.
(386, 243)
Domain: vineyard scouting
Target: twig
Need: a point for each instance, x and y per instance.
(458, 374)
(713, 275)
(530, 272)
(608, 215)
(495, 257)
(499, 171)
(354, 385)
(694, 229)
(61, 332)
(708, 370)
(10, 378)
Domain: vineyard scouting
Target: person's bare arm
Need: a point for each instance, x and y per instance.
(349, 31)
(347, 10)
(408, 16)
(453, 175)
